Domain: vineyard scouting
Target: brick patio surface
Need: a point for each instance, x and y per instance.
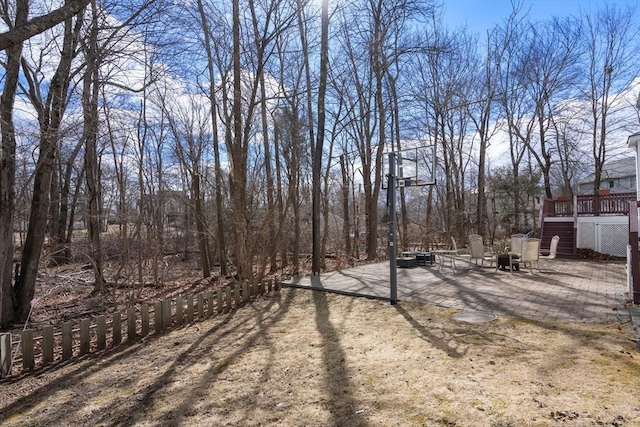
(564, 290)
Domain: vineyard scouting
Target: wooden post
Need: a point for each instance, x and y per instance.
(144, 315)
(210, 303)
(270, 285)
(157, 317)
(5, 355)
(189, 308)
(67, 341)
(229, 299)
(28, 359)
(236, 295)
(47, 345)
(166, 314)
(200, 306)
(219, 301)
(101, 333)
(85, 338)
(131, 324)
(277, 286)
(179, 311)
(117, 329)
(245, 291)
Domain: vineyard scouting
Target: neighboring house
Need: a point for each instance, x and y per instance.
(168, 204)
(619, 176)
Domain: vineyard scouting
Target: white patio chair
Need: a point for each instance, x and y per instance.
(553, 248)
(515, 248)
(530, 254)
(476, 248)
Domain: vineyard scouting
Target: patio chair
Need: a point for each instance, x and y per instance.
(476, 246)
(553, 249)
(530, 254)
(515, 248)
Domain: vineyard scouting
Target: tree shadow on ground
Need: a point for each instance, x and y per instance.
(342, 405)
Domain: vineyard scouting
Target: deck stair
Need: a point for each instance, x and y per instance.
(566, 231)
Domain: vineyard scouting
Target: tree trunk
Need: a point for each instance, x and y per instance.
(90, 135)
(222, 249)
(8, 171)
(238, 157)
(346, 224)
(62, 252)
(317, 150)
(201, 225)
(49, 140)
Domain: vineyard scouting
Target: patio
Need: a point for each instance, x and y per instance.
(565, 290)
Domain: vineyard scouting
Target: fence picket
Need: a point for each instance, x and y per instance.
(157, 317)
(166, 314)
(144, 316)
(236, 295)
(200, 306)
(179, 310)
(5, 355)
(189, 308)
(67, 341)
(229, 299)
(210, 303)
(219, 301)
(28, 359)
(131, 324)
(245, 291)
(101, 333)
(85, 338)
(117, 329)
(47, 345)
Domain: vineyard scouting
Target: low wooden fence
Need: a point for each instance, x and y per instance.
(30, 350)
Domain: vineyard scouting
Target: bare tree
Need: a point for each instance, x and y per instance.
(319, 143)
(611, 47)
(50, 117)
(8, 163)
(222, 246)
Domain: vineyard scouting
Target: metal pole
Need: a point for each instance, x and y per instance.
(392, 229)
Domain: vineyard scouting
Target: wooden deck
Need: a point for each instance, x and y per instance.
(588, 205)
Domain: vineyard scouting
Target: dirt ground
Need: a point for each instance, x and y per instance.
(299, 357)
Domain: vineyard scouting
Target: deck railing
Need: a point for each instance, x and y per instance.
(589, 205)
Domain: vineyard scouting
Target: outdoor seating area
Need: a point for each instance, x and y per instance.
(522, 253)
(583, 290)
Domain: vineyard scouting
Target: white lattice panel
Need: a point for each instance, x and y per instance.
(587, 235)
(613, 239)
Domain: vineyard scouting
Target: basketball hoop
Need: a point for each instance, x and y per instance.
(414, 167)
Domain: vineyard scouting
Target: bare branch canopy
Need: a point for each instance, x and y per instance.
(40, 24)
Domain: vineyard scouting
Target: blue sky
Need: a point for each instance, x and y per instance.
(480, 15)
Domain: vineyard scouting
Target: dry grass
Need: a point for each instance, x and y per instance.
(309, 358)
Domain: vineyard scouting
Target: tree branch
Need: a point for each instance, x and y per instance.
(41, 23)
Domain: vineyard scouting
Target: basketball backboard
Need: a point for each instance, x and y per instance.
(414, 167)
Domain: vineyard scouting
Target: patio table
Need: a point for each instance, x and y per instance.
(447, 256)
(503, 261)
